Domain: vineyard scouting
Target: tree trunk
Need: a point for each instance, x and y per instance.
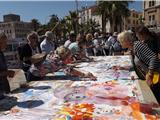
(103, 23)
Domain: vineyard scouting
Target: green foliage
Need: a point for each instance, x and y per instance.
(35, 24)
(114, 12)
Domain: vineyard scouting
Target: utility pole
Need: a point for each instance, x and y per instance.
(77, 19)
(76, 6)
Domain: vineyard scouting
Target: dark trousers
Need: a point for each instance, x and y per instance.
(4, 86)
(31, 77)
(156, 91)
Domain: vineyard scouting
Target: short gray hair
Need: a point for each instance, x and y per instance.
(126, 35)
(49, 34)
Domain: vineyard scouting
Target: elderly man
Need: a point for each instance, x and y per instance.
(47, 44)
(146, 62)
(4, 72)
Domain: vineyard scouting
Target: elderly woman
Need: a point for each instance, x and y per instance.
(54, 62)
(150, 38)
(89, 44)
(4, 72)
(26, 51)
(145, 60)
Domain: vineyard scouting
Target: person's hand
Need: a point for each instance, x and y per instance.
(90, 75)
(149, 79)
(10, 73)
(127, 53)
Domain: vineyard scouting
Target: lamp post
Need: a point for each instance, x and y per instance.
(76, 20)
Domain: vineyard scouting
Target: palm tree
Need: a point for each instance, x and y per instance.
(73, 17)
(68, 24)
(104, 8)
(53, 21)
(90, 26)
(119, 12)
(35, 24)
(114, 12)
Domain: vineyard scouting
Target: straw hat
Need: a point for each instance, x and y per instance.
(39, 57)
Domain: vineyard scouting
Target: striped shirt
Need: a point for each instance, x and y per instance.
(147, 56)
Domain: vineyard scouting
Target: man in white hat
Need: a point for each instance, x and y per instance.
(47, 44)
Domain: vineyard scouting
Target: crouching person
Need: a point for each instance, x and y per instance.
(53, 62)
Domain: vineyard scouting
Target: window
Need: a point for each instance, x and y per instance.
(144, 4)
(136, 15)
(129, 21)
(134, 22)
(153, 3)
(133, 15)
(149, 18)
(137, 22)
(153, 17)
(150, 3)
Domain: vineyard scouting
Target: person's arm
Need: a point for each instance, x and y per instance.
(9, 73)
(43, 47)
(3, 73)
(149, 58)
(77, 73)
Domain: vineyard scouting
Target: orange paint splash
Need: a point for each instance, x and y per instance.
(79, 111)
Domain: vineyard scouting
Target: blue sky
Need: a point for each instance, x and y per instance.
(42, 9)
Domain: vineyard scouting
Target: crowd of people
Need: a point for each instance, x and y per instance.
(39, 58)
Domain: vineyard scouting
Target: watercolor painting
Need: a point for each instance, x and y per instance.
(114, 96)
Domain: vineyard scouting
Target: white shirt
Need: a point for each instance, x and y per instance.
(67, 43)
(47, 46)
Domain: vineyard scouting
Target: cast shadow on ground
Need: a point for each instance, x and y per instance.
(9, 102)
(24, 89)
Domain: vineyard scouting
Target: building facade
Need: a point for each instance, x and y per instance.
(90, 13)
(16, 32)
(133, 20)
(152, 13)
(128, 23)
(11, 18)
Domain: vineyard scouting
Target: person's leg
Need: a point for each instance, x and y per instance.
(31, 77)
(25, 69)
(1, 93)
(156, 91)
(6, 86)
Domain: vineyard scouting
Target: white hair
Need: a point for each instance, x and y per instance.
(49, 34)
(126, 35)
